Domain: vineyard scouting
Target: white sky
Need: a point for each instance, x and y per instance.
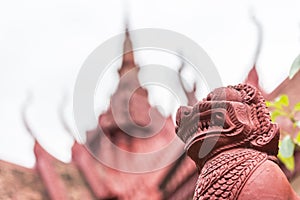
(44, 44)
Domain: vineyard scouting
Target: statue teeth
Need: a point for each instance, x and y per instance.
(200, 125)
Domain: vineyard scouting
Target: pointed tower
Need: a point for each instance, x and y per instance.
(133, 125)
(130, 117)
(130, 124)
(128, 57)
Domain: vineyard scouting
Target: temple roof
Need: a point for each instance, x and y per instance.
(20, 183)
(130, 110)
(85, 177)
(290, 87)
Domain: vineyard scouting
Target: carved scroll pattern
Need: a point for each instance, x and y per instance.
(224, 176)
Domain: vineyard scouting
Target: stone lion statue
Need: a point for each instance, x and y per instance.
(234, 144)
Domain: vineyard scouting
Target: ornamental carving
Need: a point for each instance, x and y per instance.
(234, 144)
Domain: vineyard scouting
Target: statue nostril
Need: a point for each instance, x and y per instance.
(209, 97)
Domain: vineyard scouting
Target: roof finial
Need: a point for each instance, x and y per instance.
(61, 113)
(126, 18)
(191, 96)
(128, 57)
(252, 77)
(259, 38)
(125, 13)
(24, 109)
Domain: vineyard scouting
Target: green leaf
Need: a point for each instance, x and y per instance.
(287, 146)
(288, 162)
(269, 104)
(295, 67)
(297, 139)
(276, 104)
(297, 107)
(284, 100)
(275, 114)
(280, 101)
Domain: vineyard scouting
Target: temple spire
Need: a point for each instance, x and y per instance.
(191, 95)
(128, 57)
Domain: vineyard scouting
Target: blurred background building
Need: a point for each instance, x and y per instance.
(44, 45)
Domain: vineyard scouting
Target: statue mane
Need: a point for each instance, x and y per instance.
(230, 137)
(229, 117)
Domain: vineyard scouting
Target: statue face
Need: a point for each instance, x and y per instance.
(221, 114)
(228, 116)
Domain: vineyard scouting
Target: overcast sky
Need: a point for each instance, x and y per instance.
(43, 45)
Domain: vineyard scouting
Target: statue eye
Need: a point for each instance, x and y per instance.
(218, 119)
(219, 116)
(186, 112)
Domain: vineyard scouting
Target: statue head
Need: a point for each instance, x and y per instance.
(229, 117)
